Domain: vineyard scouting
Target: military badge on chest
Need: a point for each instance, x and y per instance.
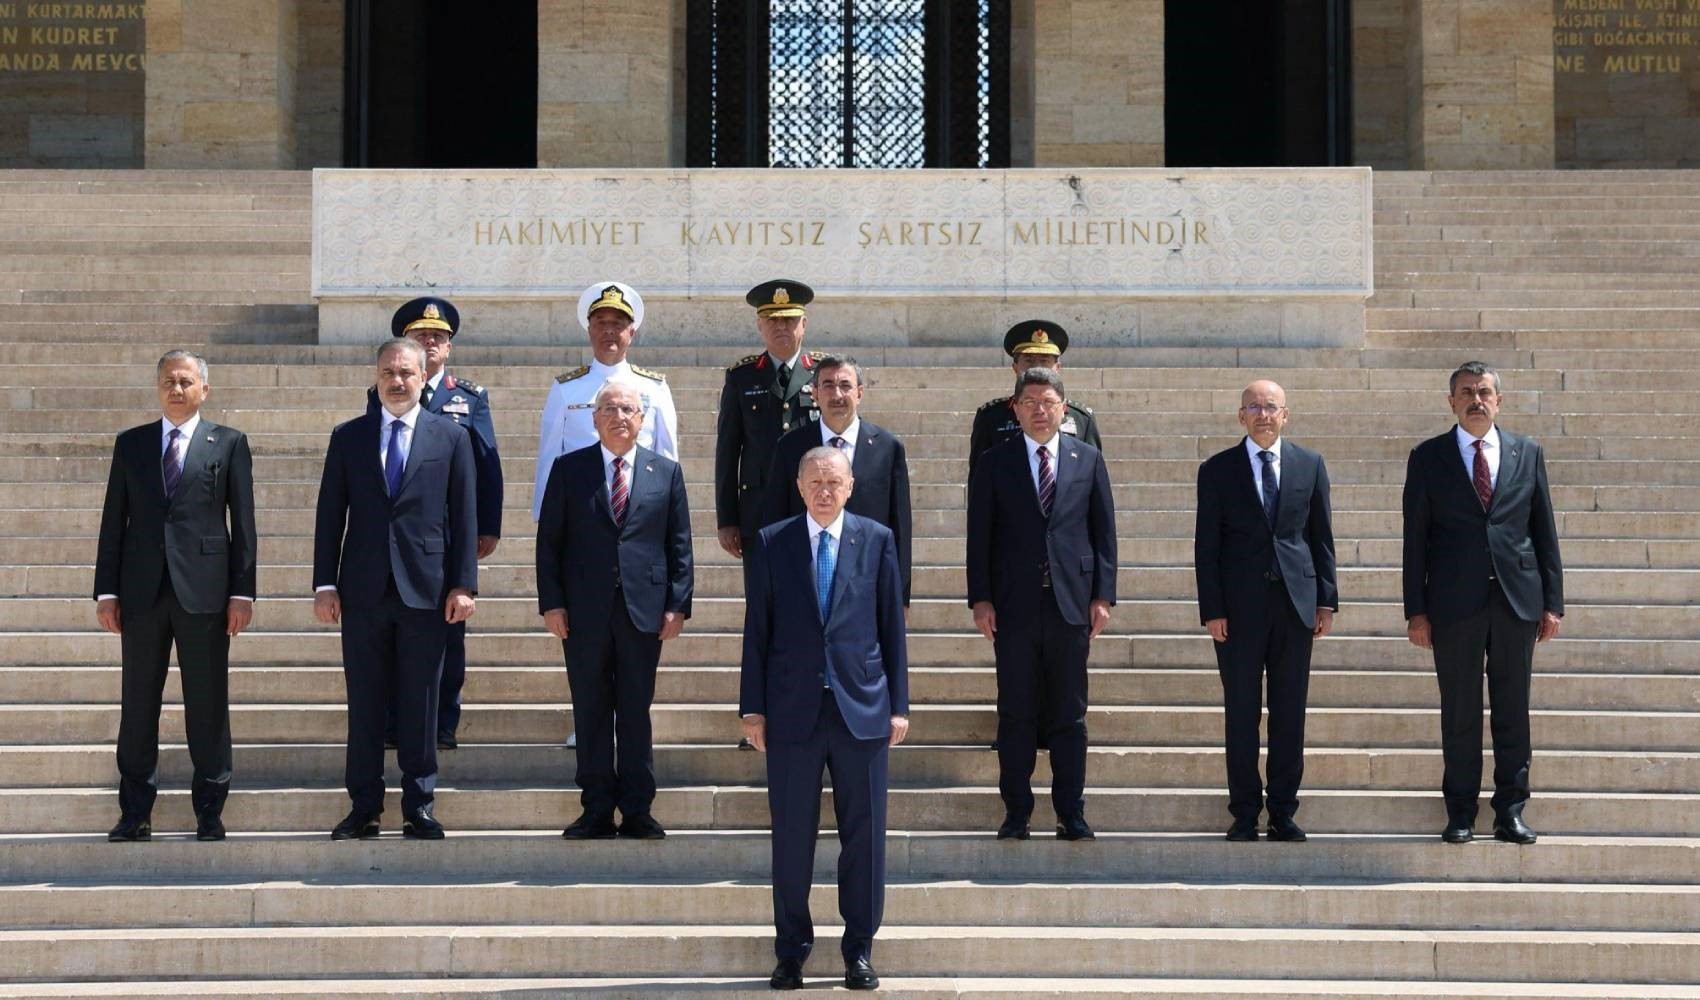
(457, 407)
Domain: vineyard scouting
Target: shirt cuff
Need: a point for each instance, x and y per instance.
(324, 587)
(106, 597)
(239, 597)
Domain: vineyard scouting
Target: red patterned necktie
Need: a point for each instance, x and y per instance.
(619, 493)
(1047, 481)
(1480, 477)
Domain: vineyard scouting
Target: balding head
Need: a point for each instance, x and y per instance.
(1263, 411)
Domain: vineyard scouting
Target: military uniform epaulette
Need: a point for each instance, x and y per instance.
(456, 382)
(1001, 401)
(646, 373)
(579, 372)
(741, 362)
(1083, 409)
(816, 355)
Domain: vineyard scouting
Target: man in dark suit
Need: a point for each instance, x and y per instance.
(1263, 552)
(878, 461)
(1033, 343)
(433, 323)
(825, 683)
(614, 582)
(395, 546)
(1483, 581)
(1041, 581)
(175, 565)
(765, 395)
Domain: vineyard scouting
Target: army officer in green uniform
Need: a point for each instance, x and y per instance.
(1034, 343)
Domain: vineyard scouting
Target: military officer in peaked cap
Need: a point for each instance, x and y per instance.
(611, 313)
(433, 323)
(765, 395)
(1034, 343)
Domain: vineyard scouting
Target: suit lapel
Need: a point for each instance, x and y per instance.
(642, 477)
(1510, 456)
(599, 498)
(421, 431)
(1067, 467)
(850, 546)
(864, 441)
(1294, 467)
(1246, 482)
(1458, 474)
(196, 451)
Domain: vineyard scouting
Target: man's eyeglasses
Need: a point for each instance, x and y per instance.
(1261, 409)
(619, 410)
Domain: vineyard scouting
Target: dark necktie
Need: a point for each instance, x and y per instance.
(394, 461)
(1480, 476)
(782, 380)
(173, 466)
(1047, 481)
(425, 395)
(1270, 486)
(619, 492)
(839, 443)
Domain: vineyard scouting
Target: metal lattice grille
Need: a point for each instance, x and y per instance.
(848, 83)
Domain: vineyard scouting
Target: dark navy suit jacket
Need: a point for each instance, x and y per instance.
(1011, 543)
(426, 536)
(788, 649)
(1452, 546)
(580, 549)
(468, 405)
(1233, 545)
(881, 470)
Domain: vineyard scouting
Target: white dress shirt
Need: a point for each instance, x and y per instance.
(409, 418)
(1033, 458)
(1490, 448)
(836, 530)
(849, 436)
(1252, 448)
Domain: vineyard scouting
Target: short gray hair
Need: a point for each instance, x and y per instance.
(1472, 368)
(839, 361)
(401, 344)
(824, 453)
(170, 357)
(1039, 376)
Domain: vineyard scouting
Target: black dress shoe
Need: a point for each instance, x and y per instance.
(446, 741)
(356, 826)
(1283, 828)
(588, 827)
(209, 827)
(642, 827)
(787, 975)
(1014, 828)
(1243, 830)
(1074, 828)
(1511, 829)
(131, 828)
(859, 975)
(1458, 831)
(421, 825)
(745, 744)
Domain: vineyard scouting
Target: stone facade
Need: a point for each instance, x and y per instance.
(1093, 82)
(1378, 84)
(221, 83)
(1479, 85)
(605, 80)
(71, 85)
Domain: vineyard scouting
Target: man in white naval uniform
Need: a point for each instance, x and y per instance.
(610, 312)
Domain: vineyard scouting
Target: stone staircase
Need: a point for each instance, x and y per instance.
(1584, 288)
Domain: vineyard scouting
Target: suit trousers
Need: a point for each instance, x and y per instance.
(858, 769)
(203, 664)
(1265, 639)
(1041, 665)
(448, 687)
(391, 647)
(1507, 643)
(611, 670)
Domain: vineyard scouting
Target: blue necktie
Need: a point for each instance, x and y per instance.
(823, 574)
(173, 470)
(394, 460)
(1269, 486)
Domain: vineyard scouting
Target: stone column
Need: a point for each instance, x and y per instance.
(1479, 84)
(1092, 82)
(221, 83)
(605, 77)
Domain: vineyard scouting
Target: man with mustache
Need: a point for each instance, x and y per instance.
(1483, 584)
(1263, 552)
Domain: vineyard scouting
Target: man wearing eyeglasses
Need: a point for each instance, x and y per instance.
(1263, 553)
(614, 582)
(1041, 580)
(1483, 584)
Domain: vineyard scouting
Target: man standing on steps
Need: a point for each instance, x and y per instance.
(1041, 581)
(614, 582)
(877, 457)
(1263, 553)
(825, 682)
(611, 313)
(434, 323)
(176, 566)
(395, 547)
(1483, 583)
(1033, 343)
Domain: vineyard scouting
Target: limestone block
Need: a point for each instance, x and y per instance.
(230, 25)
(194, 76)
(583, 76)
(82, 136)
(164, 27)
(230, 121)
(1100, 123)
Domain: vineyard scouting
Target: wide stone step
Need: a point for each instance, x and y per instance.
(551, 764)
(1601, 956)
(376, 902)
(933, 725)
